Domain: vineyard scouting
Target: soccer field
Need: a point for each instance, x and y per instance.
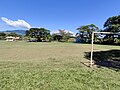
(57, 66)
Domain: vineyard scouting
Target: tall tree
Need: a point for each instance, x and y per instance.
(40, 34)
(65, 34)
(85, 32)
(56, 37)
(112, 24)
(62, 35)
(2, 35)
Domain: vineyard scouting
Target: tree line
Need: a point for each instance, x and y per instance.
(112, 24)
(4, 35)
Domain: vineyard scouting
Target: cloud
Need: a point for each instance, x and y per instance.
(67, 31)
(19, 23)
(57, 31)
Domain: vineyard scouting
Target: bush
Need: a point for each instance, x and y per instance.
(117, 41)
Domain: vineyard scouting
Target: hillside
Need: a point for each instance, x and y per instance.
(21, 32)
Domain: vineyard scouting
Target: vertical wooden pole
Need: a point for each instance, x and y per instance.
(91, 60)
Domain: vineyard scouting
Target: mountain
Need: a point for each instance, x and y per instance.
(20, 32)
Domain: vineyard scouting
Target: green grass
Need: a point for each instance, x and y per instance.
(53, 66)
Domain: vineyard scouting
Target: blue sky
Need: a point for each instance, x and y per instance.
(55, 14)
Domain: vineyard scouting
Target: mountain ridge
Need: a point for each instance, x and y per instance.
(20, 32)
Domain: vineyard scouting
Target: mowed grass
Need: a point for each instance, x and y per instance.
(53, 66)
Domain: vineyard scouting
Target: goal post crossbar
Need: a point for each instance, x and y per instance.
(91, 59)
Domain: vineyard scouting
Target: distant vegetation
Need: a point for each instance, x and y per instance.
(4, 35)
(20, 32)
(85, 32)
(62, 36)
(112, 24)
(38, 34)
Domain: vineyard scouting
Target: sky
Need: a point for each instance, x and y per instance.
(55, 14)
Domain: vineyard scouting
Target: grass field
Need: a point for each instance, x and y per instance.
(53, 66)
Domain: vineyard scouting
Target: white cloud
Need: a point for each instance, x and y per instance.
(57, 31)
(73, 34)
(19, 23)
(68, 31)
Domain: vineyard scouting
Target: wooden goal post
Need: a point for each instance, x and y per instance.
(91, 60)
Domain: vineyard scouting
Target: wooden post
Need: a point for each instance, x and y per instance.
(91, 60)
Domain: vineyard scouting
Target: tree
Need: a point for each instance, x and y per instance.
(2, 35)
(85, 32)
(62, 35)
(112, 24)
(13, 34)
(56, 37)
(40, 34)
